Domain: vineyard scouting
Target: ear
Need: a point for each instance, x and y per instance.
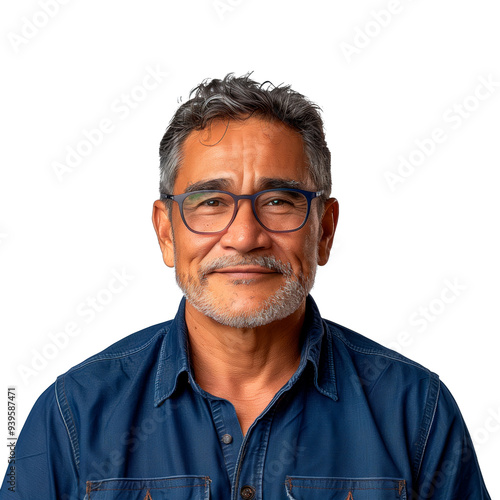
(163, 228)
(328, 226)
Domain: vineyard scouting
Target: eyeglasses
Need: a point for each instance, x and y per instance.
(280, 210)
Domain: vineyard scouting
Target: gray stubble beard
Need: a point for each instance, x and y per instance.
(281, 304)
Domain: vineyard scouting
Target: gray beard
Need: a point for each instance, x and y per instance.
(281, 304)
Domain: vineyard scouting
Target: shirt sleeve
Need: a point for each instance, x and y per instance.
(449, 468)
(44, 465)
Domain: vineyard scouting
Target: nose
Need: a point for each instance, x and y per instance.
(245, 234)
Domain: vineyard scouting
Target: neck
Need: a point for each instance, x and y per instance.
(240, 363)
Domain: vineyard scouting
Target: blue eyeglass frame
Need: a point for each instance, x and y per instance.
(179, 199)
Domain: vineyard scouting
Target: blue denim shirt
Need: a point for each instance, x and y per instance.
(355, 422)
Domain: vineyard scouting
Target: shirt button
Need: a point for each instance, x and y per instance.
(247, 492)
(227, 438)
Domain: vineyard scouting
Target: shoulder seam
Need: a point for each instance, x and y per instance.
(62, 400)
(118, 354)
(432, 399)
(375, 351)
(67, 417)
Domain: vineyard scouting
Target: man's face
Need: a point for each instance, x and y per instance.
(246, 276)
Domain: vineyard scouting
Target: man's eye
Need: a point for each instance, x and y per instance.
(280, 203)
(219, 203)
(211, 203)
(275, 202)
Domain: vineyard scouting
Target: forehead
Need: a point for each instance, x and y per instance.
(242, 152)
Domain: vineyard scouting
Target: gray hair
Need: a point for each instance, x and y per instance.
(238, 98)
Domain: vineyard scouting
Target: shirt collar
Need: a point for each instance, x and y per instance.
(317, 349)
(173, 359)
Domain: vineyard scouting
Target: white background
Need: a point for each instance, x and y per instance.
(62, 236)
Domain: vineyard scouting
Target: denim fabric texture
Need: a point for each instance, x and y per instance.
(356, 421)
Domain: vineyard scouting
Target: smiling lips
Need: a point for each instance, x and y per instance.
(245, 267)
(244, 271)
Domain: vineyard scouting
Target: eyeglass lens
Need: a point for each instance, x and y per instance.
(212, 211)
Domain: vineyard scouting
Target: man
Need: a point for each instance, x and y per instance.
(248, 393)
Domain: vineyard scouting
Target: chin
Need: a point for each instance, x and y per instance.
(249, 313)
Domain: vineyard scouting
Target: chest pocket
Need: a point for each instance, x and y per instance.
(169, 488)
(330, 488)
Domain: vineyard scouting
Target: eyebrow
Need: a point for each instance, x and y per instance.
(208, 185)
(275, 183)
(222, 184)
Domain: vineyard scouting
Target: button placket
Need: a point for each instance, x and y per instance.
(226, 424)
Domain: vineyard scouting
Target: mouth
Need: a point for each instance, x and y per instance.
(245, 268)
(244, 272)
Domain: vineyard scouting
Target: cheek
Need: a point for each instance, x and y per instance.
(301, 253)
(190, 249)
(310, 251)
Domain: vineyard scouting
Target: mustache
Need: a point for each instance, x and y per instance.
(269, 262)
